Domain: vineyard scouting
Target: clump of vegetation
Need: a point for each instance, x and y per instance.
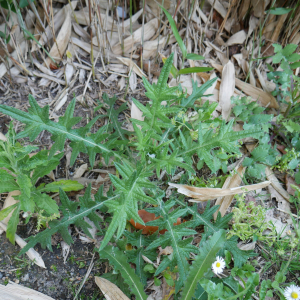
(166, 142)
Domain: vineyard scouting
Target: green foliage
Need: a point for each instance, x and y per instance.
(129, 191)
(252, 116)
(185, 55)
(202, 263)
(112, 115)
(21, 173)
(73, 213)
(289, 161)
(178, 132)
(249, 222)
(173, 237)
(37, 120)
(240, 256)
(287, 84)
(139, 242)
(119, 260)
(208, 139)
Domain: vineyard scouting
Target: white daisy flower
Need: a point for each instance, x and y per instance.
(218, 265)
(292, 292)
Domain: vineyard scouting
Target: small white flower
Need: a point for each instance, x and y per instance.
(292, 292)
(218, 265)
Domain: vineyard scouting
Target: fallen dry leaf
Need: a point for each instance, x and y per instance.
(132, 66)
(204, 194)
(110, 290)
(147, 217)
(230, 182)
(58, 49)
(3, 137)
(256, 94)
(14, 291)
(276, 184)
(227, 87)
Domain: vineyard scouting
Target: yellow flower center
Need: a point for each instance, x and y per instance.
(294, 295)
(219, 265)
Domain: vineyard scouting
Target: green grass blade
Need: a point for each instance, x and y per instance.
(194, 70)
(176, 33)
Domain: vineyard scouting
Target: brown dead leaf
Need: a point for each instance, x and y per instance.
(282, 203)
(110, 290)
(58, 49)
(129, 43)
(3, 137)
(230, 182)
(80, 171)
(257, 94)
(132, 66)
(237, 38)
(147, 217)
(204, 194)
(227, 87)
(276, 184)
(288, 181)
(14, 291)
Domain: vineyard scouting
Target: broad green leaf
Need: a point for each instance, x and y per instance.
(5, 176)
(176, 33)
(5, 212)
(194, 56)
(12, 224)
(289, 49)
(7, 186)
(295, 65)
(202, 263)
(279, 10)
(65, 185)
(119, 260)
(27, 204)
(46, 203)
(194, 70)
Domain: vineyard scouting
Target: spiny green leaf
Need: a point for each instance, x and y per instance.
(226, 138)
(112, 115)
(173, 236)
(119, 260)
(37, 120)
(73, 213)
(140, 241)
(197, 93)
